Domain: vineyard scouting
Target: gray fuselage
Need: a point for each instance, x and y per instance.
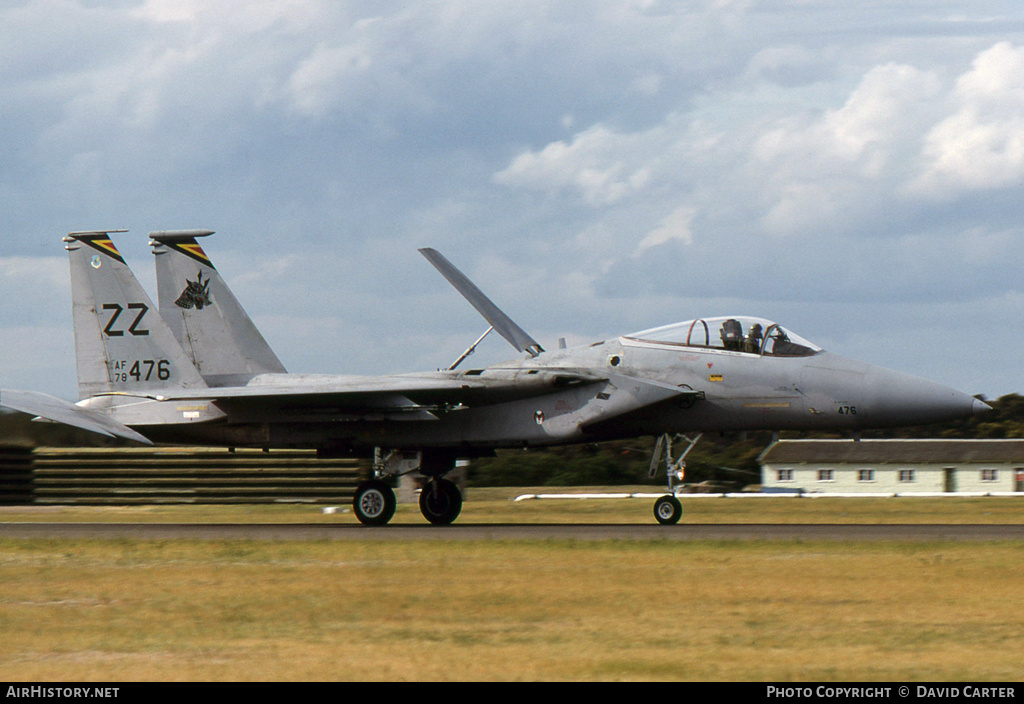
(627, 393)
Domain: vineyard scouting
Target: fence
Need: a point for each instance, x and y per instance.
(122, 476)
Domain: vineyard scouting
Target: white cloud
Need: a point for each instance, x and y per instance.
(599, 166)
(844, 162)
(322, 79)
(20, 272)
(676, 226)
(168, 10)
(981, 145)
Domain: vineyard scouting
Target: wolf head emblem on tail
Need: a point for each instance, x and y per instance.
(196, 294)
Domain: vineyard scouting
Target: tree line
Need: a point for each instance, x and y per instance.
(727, 459)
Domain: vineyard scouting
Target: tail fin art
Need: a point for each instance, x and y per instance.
(122, 346)
(204, 315)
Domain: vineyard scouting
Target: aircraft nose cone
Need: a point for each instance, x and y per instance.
(903, 399)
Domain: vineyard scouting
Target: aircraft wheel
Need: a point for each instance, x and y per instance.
(668, 510)
(440, 502)
(374, 503)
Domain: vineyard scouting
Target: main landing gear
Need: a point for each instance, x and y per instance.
(667, 509)
(440, 499)
(374, 503)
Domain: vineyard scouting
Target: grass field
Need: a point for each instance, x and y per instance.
(132, 610)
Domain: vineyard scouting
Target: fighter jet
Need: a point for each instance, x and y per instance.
(197, 371)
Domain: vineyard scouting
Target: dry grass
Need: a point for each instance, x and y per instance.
(126, 610)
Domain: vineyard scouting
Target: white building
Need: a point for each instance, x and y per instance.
(894, 466)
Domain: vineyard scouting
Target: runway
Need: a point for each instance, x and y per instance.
(480, 531)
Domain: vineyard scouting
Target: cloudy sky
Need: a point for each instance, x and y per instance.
(852, 169)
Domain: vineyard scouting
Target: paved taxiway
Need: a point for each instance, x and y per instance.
(480, 531)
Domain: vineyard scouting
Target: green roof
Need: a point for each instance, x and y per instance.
(893, 451)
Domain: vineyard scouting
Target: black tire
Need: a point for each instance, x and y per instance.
(668, 510)
(440, 502)
(374, 503)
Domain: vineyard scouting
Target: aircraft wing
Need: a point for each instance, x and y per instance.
(56, 410)
(419, 397)
(402, 397)
(480, 386)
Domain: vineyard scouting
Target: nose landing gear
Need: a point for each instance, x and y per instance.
(667, 509)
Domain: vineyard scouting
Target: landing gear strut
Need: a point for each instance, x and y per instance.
(440, 499)
(667, 509)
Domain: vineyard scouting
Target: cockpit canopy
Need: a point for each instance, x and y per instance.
(737, 334)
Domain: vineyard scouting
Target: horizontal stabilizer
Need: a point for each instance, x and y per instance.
(504, 325)
(57, 410)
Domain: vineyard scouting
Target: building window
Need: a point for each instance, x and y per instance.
(826, 475)
(906, 475)
(785, 475)
(989, 475)
(865, 475)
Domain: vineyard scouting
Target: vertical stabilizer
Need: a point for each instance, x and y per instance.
(203, 313)
(122, 345)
